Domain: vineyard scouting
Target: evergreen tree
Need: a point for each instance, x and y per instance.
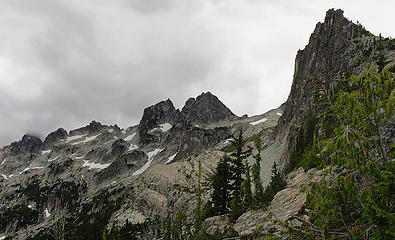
(220, 183)
(237, 169)
(246, 192)
(256, 171)
(358, 204)
(198, 213)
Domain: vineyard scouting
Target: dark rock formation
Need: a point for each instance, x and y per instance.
(206, 108)
(55, 136)
(162, 112)
(93, 127)
(127, 162)
(119, 147)
(30, 144)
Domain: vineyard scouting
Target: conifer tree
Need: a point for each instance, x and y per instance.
(256, 170)
(237, 169)
(246, 188)
(220, 182)
(198, 213)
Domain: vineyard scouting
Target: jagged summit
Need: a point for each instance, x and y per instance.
(337, 49)
(206, 108)
(160, 113)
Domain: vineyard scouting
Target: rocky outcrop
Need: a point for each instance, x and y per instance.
(206, 108)
(216, 224)
(30, 144)
(286, 204)
(337, 49)
(160, 113)
(55, 136)
(93, 127)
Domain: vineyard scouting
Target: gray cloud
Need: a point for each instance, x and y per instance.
(65, 63)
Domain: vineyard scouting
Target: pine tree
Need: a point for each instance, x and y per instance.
(246, 192)
(256, 171)
(198, 213)
(237, 169)
(220, 182)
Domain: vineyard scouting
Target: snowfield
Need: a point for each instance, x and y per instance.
(171, 158)
(130, 137)
(151, 156)
(87, 139)
(69, 139)
(95, 165)
(53, 159)
(45, 152)
(47, 213)
(27, 169)
(258, 122)
(165, 127)
(133, 147)
(3, 161)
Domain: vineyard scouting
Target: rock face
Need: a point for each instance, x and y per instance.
(337, 49)
(55, 136)
(160, 113)
(206, 108)
(286, 204)
(216, 224)
(30, 144)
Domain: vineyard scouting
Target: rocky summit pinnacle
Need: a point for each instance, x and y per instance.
(337, 49)
(206, 108)
(160, 113)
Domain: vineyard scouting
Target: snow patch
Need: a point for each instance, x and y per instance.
(258, 122)
(53, 159)
(87, 139)
(47, 213)
(27, 169)
(45, 152)
(2, 238)
(130, 137)
(30, 206)
(165, 127)
(4, 176)
(171, 158)
(123, 131)
(3, 161)
(108, 142)
(162, 127)
(95, 165)
(110, 130)
(74, 137)
(279, 114)
(228, 141)
(79, 158)
(133, 147)
(151, 155)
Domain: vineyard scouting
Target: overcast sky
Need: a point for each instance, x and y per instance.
(65, 63)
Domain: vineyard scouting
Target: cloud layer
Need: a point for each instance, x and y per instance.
(65, 63)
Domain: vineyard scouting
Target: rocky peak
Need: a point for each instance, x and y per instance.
(30, 144)
(93, 127)
(162, 112)
(337, 49)
(206, 108)
(55, 136)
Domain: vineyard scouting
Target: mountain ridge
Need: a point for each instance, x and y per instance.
(102, 177)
